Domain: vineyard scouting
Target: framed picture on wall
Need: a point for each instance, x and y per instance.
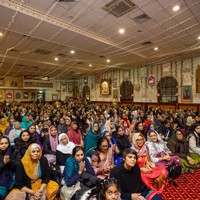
(186, 93)
(54, 97)
(25, 95)
(115, 94)
(105, 87)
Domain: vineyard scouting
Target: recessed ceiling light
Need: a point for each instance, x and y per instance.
(199, 38)
(90, 65)
(72, 52)
(1, 34)
(121, 30)
(108, 60)
(176, 8)
(56, 59)
(156, 48)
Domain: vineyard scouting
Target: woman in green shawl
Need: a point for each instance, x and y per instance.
(178, 145)
(91, 139)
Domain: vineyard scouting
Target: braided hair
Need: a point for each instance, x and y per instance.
(102, 187)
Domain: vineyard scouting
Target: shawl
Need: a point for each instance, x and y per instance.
(30, 166)
(53, 141)
(90, 141)
(3, 127)
(5, 173)
(141, 151)
(72, 167)
(66, 149)
(74, 135)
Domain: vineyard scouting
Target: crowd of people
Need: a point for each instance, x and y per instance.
(99, 152)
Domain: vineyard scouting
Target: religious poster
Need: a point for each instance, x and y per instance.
(9, 95)
(198, 79)
(186, 93)
(25, 95)
(105, 87)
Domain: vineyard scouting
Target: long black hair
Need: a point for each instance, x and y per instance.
(102, 187)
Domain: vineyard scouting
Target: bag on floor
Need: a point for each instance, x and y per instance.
(174, 171)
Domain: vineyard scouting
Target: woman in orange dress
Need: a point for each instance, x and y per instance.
(152, 176)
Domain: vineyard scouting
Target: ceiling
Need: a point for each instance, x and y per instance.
(37, 31)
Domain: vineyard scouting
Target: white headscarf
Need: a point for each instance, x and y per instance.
(66, 149)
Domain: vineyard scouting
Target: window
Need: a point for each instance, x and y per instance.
(167, 89)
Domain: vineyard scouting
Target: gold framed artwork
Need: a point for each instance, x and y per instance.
(105, 87)
(186, 93)
(115, 94)
(54, 97)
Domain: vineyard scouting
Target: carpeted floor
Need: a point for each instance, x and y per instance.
(189, 190)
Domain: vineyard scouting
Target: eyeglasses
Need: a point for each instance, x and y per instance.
(63, 139)
(35, 151)
(139, 140)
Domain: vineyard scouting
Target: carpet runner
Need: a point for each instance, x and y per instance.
(189, 190)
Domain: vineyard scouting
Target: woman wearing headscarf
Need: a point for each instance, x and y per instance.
(178, 145)
(74, 134)
(8, 163)
(22, 142)
(3, 125)
(63, 150)
(50, 144)
(15, 132)
(91, 139)
(159, 152)
(153, 177)
(33, 177)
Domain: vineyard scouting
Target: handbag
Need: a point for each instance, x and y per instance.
(159, 182)
(174, 171)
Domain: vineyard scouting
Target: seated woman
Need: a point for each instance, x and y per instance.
(113, 145)
(33, 177)
(74, 134)
(159, 153)
(153, 177)
(34, 133)
(129, 177)
(78, 175)
(63, 150)
(103, 159)
(50, 144)
(91, 139)
(107, 189)
(8, 163)
(22, 143)
(178, 145)
(194, 138)
(15, 132)
(121, 140)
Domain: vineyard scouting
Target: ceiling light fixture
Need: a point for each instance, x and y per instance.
(108, 60)
(176, 8)
(90, 65)
(156, 48)
(121, 31)
(56, 59)
(1, 34)
(72, 52)
(199, 38)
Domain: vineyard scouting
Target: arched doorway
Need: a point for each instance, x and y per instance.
(86, 92)
(126, 92)
(167, 89)
(76, 92)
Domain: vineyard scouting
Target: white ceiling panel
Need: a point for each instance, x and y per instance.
(44, 29)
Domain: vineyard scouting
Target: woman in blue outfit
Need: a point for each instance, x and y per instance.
(78, 174)
(91, 139)
(8, 163)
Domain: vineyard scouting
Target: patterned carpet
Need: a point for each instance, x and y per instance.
(189, 190)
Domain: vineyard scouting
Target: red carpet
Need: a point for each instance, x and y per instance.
(189, 190)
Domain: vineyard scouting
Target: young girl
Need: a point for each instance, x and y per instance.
(107, 189)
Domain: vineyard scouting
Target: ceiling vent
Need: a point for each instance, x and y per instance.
(119, 8)
(146, 43)
(66, 0)
(141, 18)
(43, 51)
